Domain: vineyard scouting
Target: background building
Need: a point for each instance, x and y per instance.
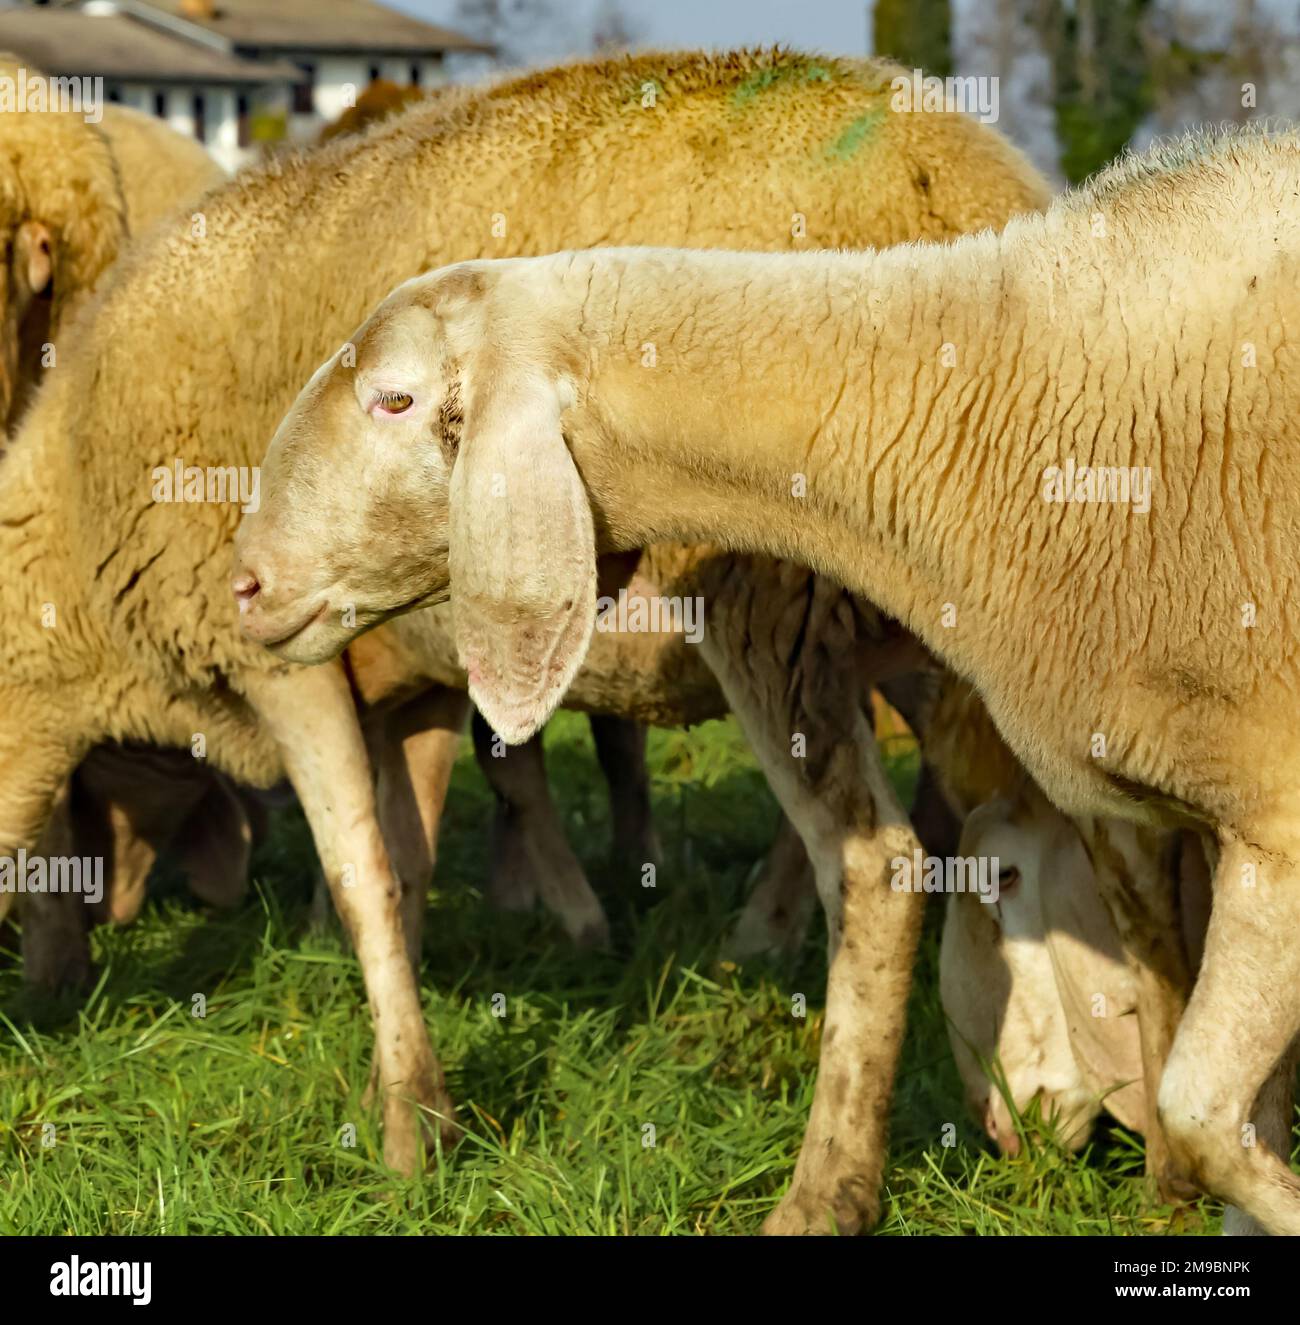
(234, 74)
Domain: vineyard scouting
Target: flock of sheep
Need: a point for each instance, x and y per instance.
(812, 415)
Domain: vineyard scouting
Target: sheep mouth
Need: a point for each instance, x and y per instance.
(278, 641)
(433, 598)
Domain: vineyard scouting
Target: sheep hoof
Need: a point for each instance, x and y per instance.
(412, 1135)
(804, 1212)
(511, 889)
(591, 935)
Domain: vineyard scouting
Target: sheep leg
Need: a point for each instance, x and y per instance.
(414, 757)
(1239, 1025)
(127, 805)
(1273, 1115)
(311, 714)
(801, 704)
(511, 881)
(1136, 875)
(526, 815)
(215, 845)
(37, 764)
(775, 918)
(874, 934)
(620, 749)
(105, 828)
(56, 926)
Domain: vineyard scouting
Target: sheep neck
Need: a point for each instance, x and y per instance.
(834, 415)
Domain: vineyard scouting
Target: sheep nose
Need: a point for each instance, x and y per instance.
(245, 586)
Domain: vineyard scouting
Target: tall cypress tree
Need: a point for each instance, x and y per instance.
(1103, 89)
(916, 33)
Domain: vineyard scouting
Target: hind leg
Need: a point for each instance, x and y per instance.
(776, 916)
(414, 752)
(783, 645)
(511, 880)
(1239, 1025)
(531, 825)
(620, 748)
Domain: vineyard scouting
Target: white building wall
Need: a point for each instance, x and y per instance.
(433, 73)
(340, 79)
(137, 97)
(180, 109)
(223, 129)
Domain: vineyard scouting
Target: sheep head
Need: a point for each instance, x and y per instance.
(62, 224)
(426, 457)
(1012, 976)
(26, 280)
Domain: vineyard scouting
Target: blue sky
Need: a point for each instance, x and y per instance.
(836, 26)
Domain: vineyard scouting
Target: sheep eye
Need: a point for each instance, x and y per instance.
(393, 402)
(1007, 879)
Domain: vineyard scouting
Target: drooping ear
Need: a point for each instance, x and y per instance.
(522, 553)
(33, 251)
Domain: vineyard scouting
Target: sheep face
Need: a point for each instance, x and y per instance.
(428, 459)
(999, 982)
(352, 524)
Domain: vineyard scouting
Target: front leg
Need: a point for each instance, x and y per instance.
(37, 758)
(311, 714)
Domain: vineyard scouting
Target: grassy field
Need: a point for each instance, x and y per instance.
(234, 1123)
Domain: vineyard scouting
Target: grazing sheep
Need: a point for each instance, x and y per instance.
(1140, 327)
(148, 649)
(1039, 982)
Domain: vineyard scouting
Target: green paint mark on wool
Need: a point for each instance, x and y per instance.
(860, 131)
(765, 79)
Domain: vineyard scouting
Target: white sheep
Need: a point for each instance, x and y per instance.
(1076, 434)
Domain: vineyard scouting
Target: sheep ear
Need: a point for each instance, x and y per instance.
(522, 556)
(33, 247)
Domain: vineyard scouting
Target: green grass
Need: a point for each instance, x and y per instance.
(234, 1122)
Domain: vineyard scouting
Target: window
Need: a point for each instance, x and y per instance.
(415, 75)
(199, 110)
(160, 105)
(304, 93)
(242, 119)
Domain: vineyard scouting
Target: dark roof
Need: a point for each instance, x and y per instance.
(330, 25)
(116, 46)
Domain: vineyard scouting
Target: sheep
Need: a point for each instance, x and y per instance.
(161, 171)
(815, 406)
(1039, 984)
(71, 194)
(149, 648)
